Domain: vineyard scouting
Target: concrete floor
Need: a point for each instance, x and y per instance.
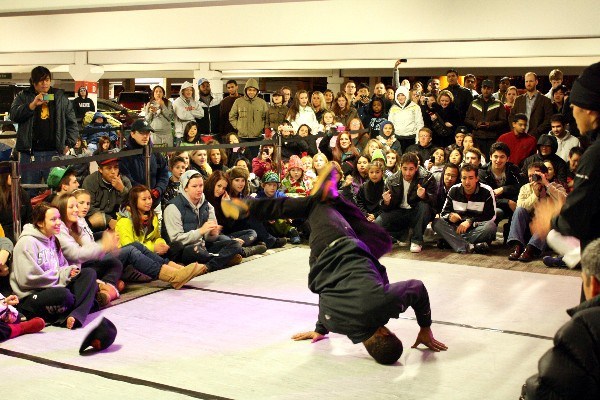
(227, 335)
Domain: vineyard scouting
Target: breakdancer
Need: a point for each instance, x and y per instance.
(355, 296)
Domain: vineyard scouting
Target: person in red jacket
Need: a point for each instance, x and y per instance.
(520, 143)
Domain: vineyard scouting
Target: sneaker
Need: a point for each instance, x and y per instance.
(253, 250)
(279, 242)
(415, 248)
(480, 248)
(402, 243)
(295, 240)
(554, 262)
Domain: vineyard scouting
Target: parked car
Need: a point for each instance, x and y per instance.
(123, 114)
(133, 100)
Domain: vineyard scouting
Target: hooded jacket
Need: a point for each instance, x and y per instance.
(561, 168)
(389, 142)
(65, 123)
(38, 263)
(407, 118)
(127, 235)
(76, 253)
(209, 124)
(186, 110)
(83, 105)
(249, 115)
(94, 131)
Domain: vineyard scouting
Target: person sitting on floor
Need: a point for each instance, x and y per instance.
(79, 248)
(355, 296)
(466, 222)
(10, 326)
(368, 198)
(530, 194)
(45, 283)
(407, 200)
(191, 230)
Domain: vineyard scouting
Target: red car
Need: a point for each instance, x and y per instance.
(133, 100)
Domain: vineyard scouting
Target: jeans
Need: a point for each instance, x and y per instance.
(108, 269)
(216, 255)
(460, 243)
(519, 230)
(56, 304)
(142, 259)
(36, 175)
(247, 235)
(401, 219)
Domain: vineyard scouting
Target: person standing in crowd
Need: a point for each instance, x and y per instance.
(471, 84)
(287, 95)
(462, 96)
(559, 95)
(343, 110)
(159, 113)
(186, 109)
(225, 126)
(47, 123)
(535, 105)
(486, 117)
(82, 104)
(209, 124)
(556, 79)
(300, 112)
(277, 111)
(350, 91)
(406, 117)
(249, 116)
(502, 88)
(133, 166)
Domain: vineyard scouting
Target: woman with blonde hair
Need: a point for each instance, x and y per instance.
(318, 104)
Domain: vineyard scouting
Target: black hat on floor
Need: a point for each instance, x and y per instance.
(101, 337)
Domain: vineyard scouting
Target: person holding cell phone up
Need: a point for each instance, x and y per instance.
(47, 123)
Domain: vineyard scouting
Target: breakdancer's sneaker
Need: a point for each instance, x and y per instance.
(234, 208)
(325, 188)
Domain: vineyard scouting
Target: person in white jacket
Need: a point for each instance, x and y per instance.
(406, 117)
(45, 283)
(186, 109)
(301, 113)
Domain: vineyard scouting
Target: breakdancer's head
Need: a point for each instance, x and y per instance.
(384, 346)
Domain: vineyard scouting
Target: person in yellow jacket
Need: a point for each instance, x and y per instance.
(138, 223)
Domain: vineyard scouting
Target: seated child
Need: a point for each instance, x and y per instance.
(368, 198)
(177, 168)
(98, 128)
(280, 227)
(293, 183)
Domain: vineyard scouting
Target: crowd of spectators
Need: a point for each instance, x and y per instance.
(415, 158)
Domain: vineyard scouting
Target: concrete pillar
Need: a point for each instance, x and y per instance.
(86, 75)
(335, 81)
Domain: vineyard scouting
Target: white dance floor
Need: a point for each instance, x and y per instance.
(227, 336)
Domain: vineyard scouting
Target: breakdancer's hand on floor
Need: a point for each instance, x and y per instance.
(309, 335)
(425, 337)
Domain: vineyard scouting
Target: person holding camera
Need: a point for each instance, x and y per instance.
(530, 194)
(47, 123)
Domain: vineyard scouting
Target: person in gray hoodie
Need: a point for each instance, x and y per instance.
(159, 113)
(43, 280)
(186, 109)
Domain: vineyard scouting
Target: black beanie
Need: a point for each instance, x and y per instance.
(586, 89)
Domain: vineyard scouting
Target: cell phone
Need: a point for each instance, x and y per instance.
(403, 60)
(48, 97)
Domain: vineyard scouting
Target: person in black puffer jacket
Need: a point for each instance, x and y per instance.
(571, 369)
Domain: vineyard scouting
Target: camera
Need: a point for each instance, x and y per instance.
(536, 178)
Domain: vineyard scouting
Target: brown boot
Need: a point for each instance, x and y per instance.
(235, 260)
(175, 265)
(179, 277)
(106, 294)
